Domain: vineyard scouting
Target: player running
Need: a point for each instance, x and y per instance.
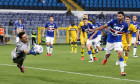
(72, 29)
(51, 26)
(114, 40)
(98, 38)
(22, 49)
(83, 39)
(131, 30)
(91, 38)
(136, 24)
(19, 28)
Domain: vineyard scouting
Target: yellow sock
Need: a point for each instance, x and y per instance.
(71, 47)
(125, 58)
(93, 53)
(75, 47)
(82, 52)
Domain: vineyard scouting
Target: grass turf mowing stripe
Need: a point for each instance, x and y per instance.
(73, 73)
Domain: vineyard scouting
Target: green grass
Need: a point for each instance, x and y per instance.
(63, 60)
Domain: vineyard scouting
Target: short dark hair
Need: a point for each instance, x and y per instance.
(51, 16)
(20, 19)
(127, 17)
(21, 34)
(121, 12)
(85, 19)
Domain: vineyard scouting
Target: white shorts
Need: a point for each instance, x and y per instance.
(96, 41)
(17, 39)
(133, 40)
(116, 46)
(50, 39)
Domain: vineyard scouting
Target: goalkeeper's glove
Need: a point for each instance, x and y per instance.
(32, 51)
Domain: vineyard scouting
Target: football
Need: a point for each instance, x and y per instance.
(38, 49)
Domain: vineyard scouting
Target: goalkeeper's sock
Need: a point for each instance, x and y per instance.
(47, 48)
(71, 47)
(51, 49)
(75, 47)
(93, 53)
(125, 59)
(90, 55)
(82, 52)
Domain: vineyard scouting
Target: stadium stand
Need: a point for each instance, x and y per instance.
(109, 5)
(61, 19)
(32, 4)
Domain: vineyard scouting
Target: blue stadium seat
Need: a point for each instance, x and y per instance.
(45, 4)
(21, 4)
(54, 4)
(16, 0)
(21, 0)
(27, 1)
(2, 0)
(58, 4)
(36, 1)
(40, 4)
(32, 1)
(49, 4)
(15, 3)
(26, 4)
(12, 1)
(31, 4)
(7, 0)
(35, 4)
(5, 3)
(11, 4)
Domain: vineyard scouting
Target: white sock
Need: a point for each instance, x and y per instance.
(134, 51)
(51, 49)
(47, 48)
(91, 56)
(122, 66)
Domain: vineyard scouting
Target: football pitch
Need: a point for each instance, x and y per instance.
(66, 68)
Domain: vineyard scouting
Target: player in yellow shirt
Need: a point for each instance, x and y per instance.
(131, 29)
(82, 39)
(73, 29)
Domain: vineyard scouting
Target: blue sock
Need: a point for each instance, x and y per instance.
(121, 59)
(2, 43)
(103, 49)
(89, 52)
(51, 46)
(135, 47)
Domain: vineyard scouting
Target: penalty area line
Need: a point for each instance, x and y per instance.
(73, 73)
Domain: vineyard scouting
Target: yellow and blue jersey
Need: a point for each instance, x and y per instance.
(136, 26)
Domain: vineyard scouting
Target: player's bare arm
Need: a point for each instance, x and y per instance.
(14, 33)
(93, 34)
(57, 33)
(78, 31)
(43, 32)
(137, 36)
(127, 39)
(99, 28)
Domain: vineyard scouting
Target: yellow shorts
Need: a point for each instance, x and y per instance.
(73, 39)
(82, 40)
(125, 45)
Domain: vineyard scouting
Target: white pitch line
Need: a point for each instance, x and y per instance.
(74, 73)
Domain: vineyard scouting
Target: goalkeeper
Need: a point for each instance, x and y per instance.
(21, 50)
